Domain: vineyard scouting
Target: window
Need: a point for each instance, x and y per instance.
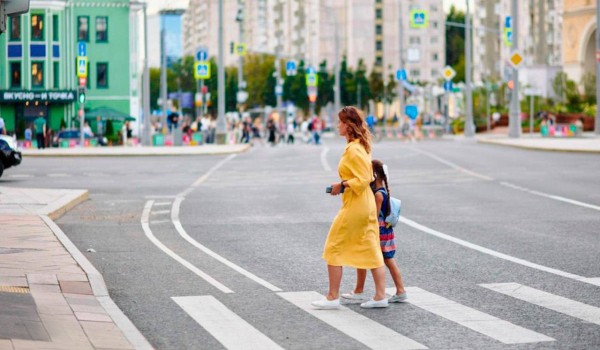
(378, 61)
(415, 73)
(434, 39)
(433, 8)
(378, 46)
(55, 69)
(55, 28)
(37, 27)
(378, 29)
(83, 28)
(378, 13)
(15, 28)
(434, 57)
(15, 74)
(37, 74)
(101, 75)
(101, 29)
(434, 73)
(414, 40)
(434, 24)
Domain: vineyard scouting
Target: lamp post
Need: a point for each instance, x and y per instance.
(220, 132)
(469, 126)
(514, 121)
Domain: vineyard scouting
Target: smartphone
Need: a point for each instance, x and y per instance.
(329, 189)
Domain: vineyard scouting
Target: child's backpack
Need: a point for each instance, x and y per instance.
(394, 216)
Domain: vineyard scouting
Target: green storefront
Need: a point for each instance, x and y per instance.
(38, 62)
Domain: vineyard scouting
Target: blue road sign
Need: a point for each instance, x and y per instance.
(290, 65)
(202, 54)
(508, 22)
(411, 111)
(401, 74)
(311, 70)
(81, 49)
(448, 85)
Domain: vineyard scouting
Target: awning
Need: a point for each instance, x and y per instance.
(107, 113)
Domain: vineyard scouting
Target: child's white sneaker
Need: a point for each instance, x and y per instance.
(371, 304)
(325, 304)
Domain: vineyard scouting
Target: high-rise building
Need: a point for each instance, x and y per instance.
(540, 41)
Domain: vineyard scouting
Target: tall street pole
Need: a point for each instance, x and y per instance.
(401, 56)
(163, 75)
(597, 125)
(241, 82)
(278, 35)
(221, 132)
(469, 125)
(146, 85)
(514, 120)
(338, 89)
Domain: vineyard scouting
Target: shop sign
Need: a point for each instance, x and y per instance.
(13, 96)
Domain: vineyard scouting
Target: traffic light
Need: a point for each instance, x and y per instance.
(81, 95)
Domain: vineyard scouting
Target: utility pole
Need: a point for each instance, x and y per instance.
(401, 56)
(163, 75)
(279, 33)
(338, 89)
(514, 120)
(220, 134)
(241, 82)
(146, 85)
(597, 124)
(469, 125)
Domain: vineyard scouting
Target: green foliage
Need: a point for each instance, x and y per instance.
(559, 84)
(455, 43)
(325, 93)
(376, 86)
(294, 88)
(589, 88)
(110, 130)
(589, 110)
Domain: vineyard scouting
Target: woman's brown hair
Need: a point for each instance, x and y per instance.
(356, 126)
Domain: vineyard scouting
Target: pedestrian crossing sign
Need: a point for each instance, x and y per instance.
(312, 79)
(240, 49)
(419, 19)
(82, 66)
(508, 37)
(202, 70)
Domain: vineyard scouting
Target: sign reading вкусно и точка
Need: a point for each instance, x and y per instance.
(15, 96)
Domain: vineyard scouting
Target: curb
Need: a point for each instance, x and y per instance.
(538, 148)
(61, 207)
(138, 152)
(130, 331)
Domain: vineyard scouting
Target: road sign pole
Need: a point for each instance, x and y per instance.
(487, 107)
(597, 124)
(337, 99)
(221, 81)
(514, 121)
(81, 123)
(146, 85)
(469, 126)
(401, 58)
(531, 100)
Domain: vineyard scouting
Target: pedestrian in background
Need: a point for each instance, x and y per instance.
(353, 239)
(40, 131)
(2, 127)
(381, 189)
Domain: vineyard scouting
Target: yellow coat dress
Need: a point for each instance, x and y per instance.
(353, 238)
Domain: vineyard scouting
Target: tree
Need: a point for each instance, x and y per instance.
(294, 88)
(589, 88)
(258, 71)
(361, 81)
(376, 86)
(325, 92)
(455, 43)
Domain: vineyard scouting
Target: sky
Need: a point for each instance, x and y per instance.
(156, 5)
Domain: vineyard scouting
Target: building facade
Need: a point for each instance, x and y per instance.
(540, 41)
(39, 49)
(579, 37)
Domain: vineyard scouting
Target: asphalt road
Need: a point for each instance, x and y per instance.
(499, 246)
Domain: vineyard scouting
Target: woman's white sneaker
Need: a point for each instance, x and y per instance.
(398, 298)
(354, 296)
(371, 304)
(325, 304)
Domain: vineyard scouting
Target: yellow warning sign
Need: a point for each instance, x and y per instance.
(516, 59)
(449, 73)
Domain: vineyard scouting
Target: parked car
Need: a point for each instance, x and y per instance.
(10, 154)
(68, 135)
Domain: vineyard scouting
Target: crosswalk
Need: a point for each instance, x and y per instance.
(221, 322)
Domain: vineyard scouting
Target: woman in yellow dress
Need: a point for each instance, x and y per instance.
(353, 238)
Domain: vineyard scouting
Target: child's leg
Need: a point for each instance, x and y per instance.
(396, 276)
(361, 276)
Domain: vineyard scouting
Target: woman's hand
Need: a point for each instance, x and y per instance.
(336, 188)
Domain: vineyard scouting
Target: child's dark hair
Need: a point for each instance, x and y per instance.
(378, 170)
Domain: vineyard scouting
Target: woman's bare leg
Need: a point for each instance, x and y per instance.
(335, 279)
(361, 277)
(379, 278)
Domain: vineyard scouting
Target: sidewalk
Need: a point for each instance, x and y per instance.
(51, 297)
(136, 151)
(588, 143)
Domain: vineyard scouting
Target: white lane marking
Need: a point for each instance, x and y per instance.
(551, 196)
(194, 269)
(550, 301)
(156, 222)
(324, 159)
(183, 233)
(353, 324)
(452, 165)
(493, 327)
(159, 204)
(159, 197)
(160, 212)
(59, 175)
(20, 175)
(224, 325)
(495, 253)
(202, 178)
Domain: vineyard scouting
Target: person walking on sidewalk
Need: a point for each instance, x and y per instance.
(353, 239)
(40, 131)
(386, 236)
